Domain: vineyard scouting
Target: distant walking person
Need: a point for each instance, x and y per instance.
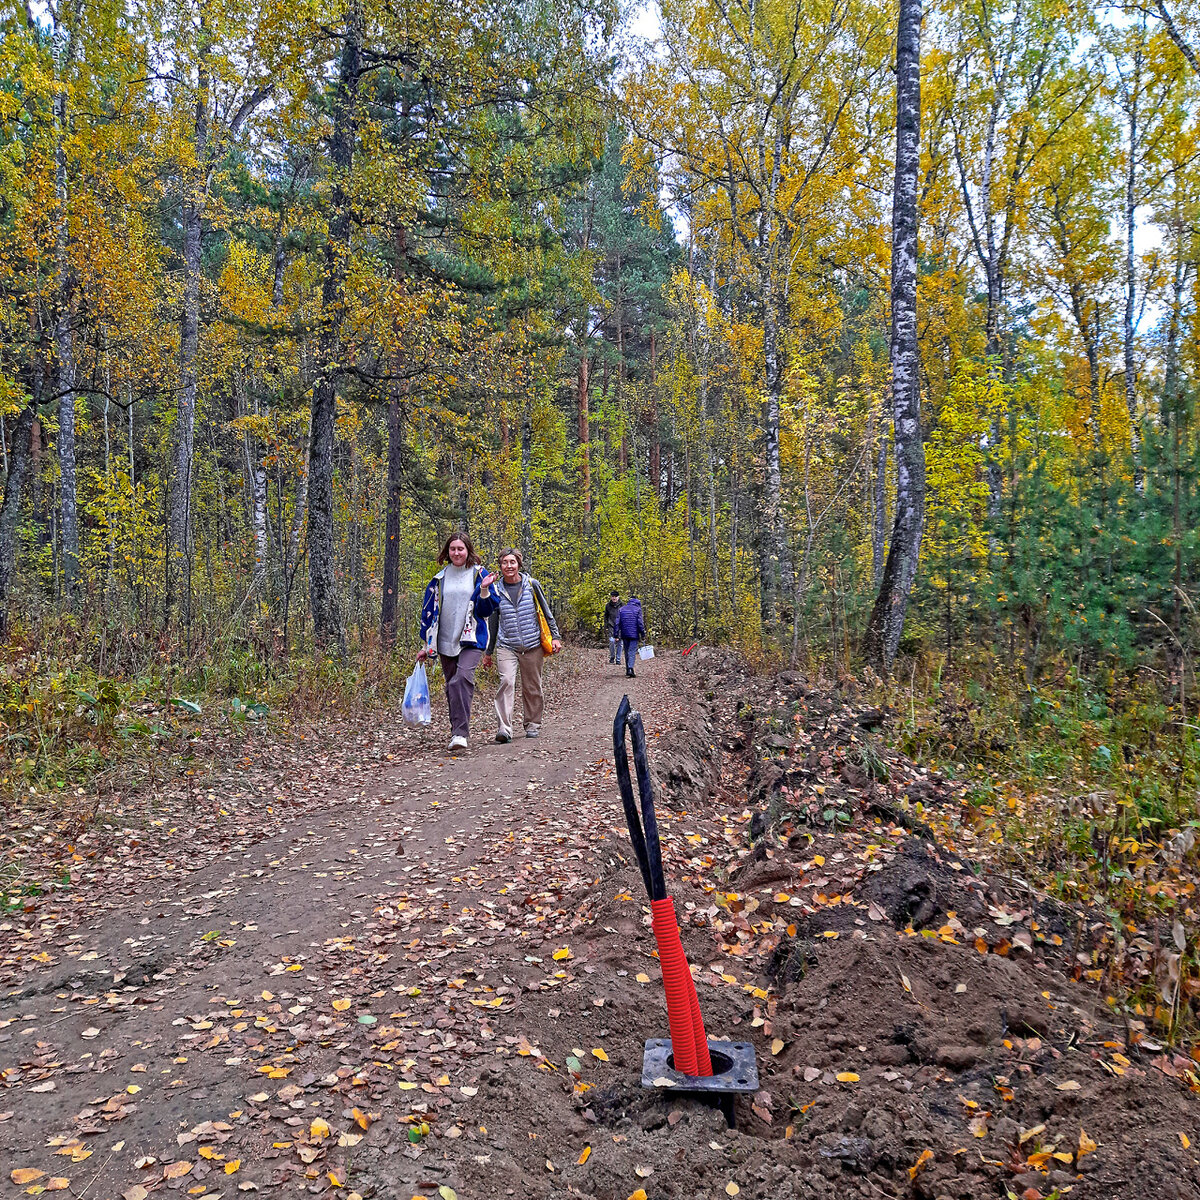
(632, 626)
(517, 632)
(612, 610)
(454, 626)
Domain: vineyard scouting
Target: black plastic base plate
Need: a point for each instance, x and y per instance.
(740, 1076)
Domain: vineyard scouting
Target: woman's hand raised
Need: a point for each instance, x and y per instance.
(487, 581)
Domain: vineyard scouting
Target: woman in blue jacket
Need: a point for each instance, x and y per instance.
(632, 627)
(454, 626)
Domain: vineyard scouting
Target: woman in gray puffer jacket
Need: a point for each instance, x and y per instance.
(517, 636)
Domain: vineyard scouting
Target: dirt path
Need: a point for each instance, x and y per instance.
(436, 979)
(359, 969)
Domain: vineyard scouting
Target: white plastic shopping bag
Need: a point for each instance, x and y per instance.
(417, 709)
(645, 652)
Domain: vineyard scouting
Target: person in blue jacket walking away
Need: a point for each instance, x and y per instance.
(454, 626)
(632, 627)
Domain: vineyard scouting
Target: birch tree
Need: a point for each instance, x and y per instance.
(886, 622)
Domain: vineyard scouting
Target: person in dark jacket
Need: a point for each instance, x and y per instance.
(517, 635)
(611, 611)
(632, 626)
(454, 626)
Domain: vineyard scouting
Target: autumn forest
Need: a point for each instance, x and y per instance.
(289, 291)
(860, 339)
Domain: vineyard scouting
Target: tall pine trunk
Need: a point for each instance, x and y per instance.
(322, 579)
(395, 474)
(391, 531)
(899, 570)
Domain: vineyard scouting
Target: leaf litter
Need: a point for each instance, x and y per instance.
(823, 922)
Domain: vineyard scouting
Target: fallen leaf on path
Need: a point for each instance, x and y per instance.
(26, 1174)
(176, 1170)
(846, 1077)
(1071, 1085)
(731, 1188)
(598, 1053)
(584, 1155)
(231, 1167)
(58, 1183)
(137, 1192)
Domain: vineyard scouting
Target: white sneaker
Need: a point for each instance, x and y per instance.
(457, 742)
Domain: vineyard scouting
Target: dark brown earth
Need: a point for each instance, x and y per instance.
(438, 974)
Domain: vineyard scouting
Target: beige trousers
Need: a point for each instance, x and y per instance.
(529, 664)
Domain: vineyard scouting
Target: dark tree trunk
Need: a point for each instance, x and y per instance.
(395, 477)
(14, 484)
(391, 543)
(64, 364)
(322, 579)
(887, 617)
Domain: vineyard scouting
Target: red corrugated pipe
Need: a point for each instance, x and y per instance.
(689, 1043)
